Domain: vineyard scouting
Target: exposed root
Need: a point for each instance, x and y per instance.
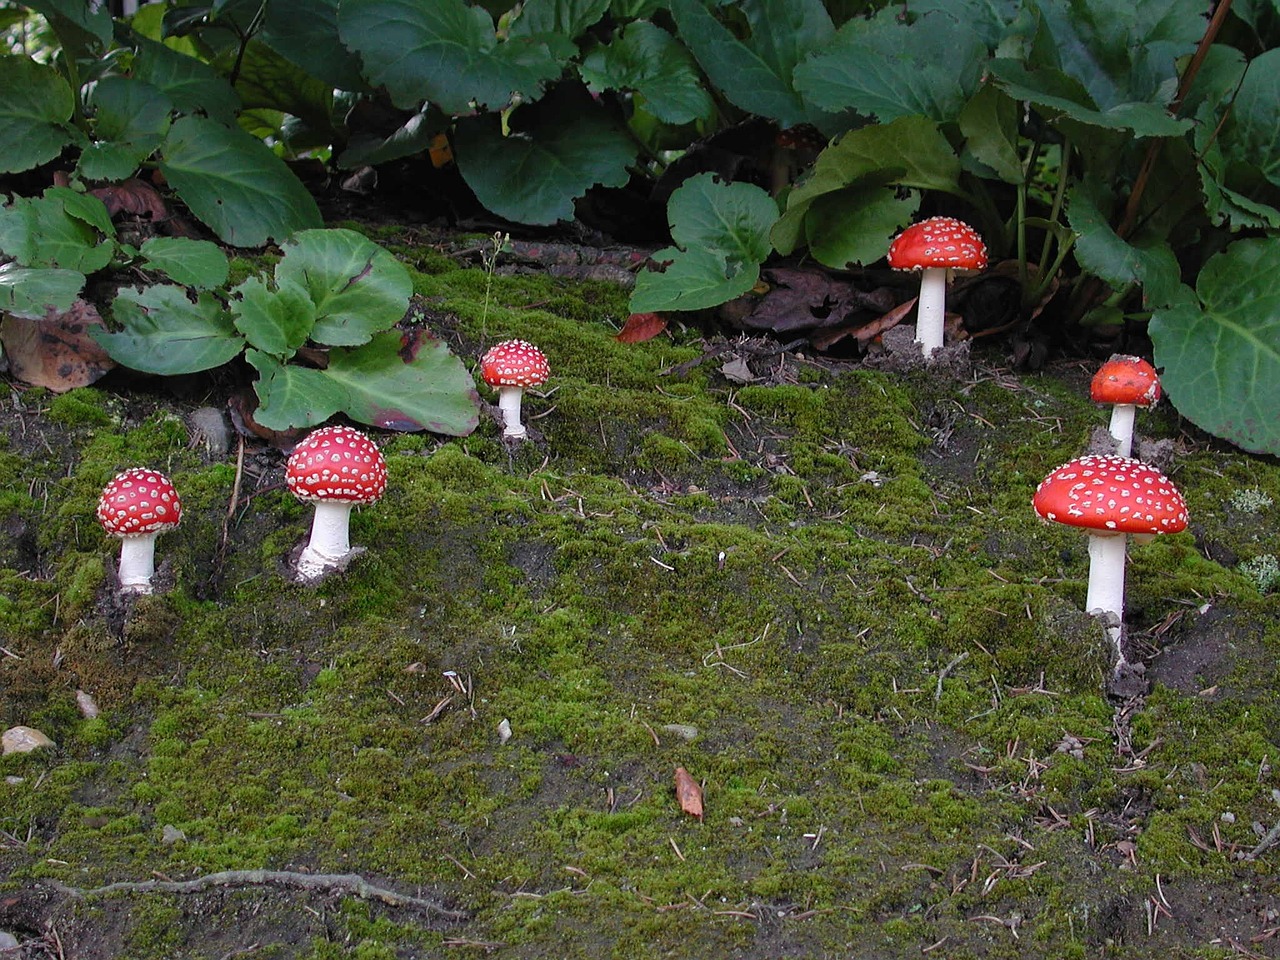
(346, 883)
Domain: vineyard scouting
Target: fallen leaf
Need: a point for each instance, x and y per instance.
(738, 370)
(134, 197)
(640, 327)
(56, 352)
(688, 793)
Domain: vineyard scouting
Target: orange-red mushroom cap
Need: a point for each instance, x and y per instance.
(139, 502)
(336, 465)
(943, 242)
(1125, 379)
(514, 363)
(1111, 494)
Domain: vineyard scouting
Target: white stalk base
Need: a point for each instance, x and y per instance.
(509, 403)
(1105, 598)
(330, 540)
(1122, 417)
(137, 563)
(931, 310)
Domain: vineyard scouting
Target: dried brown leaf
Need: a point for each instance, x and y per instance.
(688, 793)
(640, 327)
(133, 197)
(56, 352)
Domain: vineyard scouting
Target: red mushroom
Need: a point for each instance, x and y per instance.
(137, 506)
(1110, 497)
(1128, 383)
(938, 247)
(510, 367)
(334, 468)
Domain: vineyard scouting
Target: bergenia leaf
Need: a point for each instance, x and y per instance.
(35, 106)
(648, 60)
(357, 287)
(722, 236)
(1101, 252)
(194, 263)
(165, 333)
(277, 322)
(32, 291)
(131, 118)
(1219, 346)
(43, 232)
(886, 68)
(555, 150)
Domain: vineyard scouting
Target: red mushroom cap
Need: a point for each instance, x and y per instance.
(336, 465)
(515, 363)
(1125, 379)
(139, 502)
(1109, 493)
(938, 242)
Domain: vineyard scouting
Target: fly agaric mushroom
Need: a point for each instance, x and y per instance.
(137, 506)
(938, 247)
(1110, 497)
(334, 468)
(1128, 383)
(510, 367)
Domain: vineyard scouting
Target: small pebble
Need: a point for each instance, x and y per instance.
(171, 835)
(88, 707)
(685, 731)
(8, 941)
(504, 730)
(23, 740)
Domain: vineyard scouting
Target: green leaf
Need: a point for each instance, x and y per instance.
(1100, 251)
(886, 68)
(909, 152)
(33, 291)
(989, 123)
(306, 33)
(165, 333)
(566, 18)
(555, 151)
(409, 382)
(193, 263)
(722, 236)
(1252, 135)
(1057, 93)
(396, 382)
(46, 232)
(235, 184)
(35, 105)
(358, 288)
(413, 136)
(649, 61)
(1219, 347)
(131, 118)
(855, 224)
(81, 27)
(193, 86)
(268, 80)
(278, 321)
(754, 72)
(445, 51)
(291, 396)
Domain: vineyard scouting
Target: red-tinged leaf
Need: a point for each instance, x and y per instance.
(133, 197)
(56, 352)
(688, 793)
(640, 327)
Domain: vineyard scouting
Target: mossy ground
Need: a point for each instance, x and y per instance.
(823, 593)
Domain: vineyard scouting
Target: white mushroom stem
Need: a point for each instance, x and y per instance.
(137, 562)
(1106, 583)
(931, 309)
(509, 403)
(1122, 417)
(330, 540)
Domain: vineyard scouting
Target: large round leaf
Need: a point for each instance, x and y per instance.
(358, 288)
(555, 151)
(1220, 346)
(235, 184)
(35, 103)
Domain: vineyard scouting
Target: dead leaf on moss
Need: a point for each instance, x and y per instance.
(56, 351)
(688, 793)
(640, 327)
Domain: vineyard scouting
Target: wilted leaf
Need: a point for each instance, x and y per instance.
(640, 327)
(688, 793)
(134, 197)
(56, 352)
